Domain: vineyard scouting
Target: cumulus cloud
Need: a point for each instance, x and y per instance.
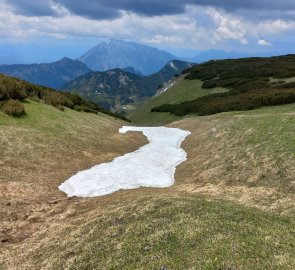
(200, 27)
(227, 26)
(263, 42)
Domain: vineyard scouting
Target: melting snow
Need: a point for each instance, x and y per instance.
(152, 165)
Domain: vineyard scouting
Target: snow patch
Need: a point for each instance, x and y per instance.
(152, 165)
(173, 66)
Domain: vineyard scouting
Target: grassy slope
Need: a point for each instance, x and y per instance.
(232, 206)
(183, 233)
(40, 151)
(183, 90)
(253, 83)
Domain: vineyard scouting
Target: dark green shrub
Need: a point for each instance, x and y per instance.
(234, 100)
(35, 98)
(14, 88)
(55, 99)
(61, 108)
(235, 73)
(13, 107)
(83, 108)
(209, 84)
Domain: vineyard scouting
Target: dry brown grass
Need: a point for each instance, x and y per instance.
(36, 159)
(221, 166)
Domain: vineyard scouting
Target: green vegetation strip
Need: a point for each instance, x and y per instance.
(183, 90)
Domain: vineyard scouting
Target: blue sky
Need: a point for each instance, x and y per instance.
(47, 30)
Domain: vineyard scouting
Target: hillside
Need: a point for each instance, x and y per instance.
(118, 89)
(14, 92)
(53, 75)
(121, 54)
(181, 90)
(232, 206)
(253, 83)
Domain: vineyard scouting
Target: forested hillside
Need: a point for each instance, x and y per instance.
(118, 89)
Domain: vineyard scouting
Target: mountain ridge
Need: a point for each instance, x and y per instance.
(122, 54)
(116, 87)
(52, 75)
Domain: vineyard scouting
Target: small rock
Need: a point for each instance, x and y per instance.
(52, 202)
(4, 240)
(72, 198)
(164, 268)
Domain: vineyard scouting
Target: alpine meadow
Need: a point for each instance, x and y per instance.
(147, 135)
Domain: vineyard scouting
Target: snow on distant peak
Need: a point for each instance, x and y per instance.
(152, 165)
(172, 65)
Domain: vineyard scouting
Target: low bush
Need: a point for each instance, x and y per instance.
(13, 107)
(35, 99)
(61, 108)
(250, 73)
(16, 89)
(248, 80)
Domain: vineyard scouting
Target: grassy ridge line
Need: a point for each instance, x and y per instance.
(182, 91)
(253, 83)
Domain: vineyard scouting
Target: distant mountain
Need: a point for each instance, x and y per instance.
(216, 55)
(53, 75)
(121, 54)
(116, 88)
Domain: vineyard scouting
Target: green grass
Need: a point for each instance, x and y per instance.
(183, 90)
(47, 118)
(189, 233)
(46, 135)
(150, 228)
(263, 141)
(267, 111)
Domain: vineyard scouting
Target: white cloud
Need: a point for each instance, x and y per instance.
(199, 28)
(244, 41)
(263, 42)
(227, 26)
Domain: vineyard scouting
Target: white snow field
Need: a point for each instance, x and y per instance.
(152, 165)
